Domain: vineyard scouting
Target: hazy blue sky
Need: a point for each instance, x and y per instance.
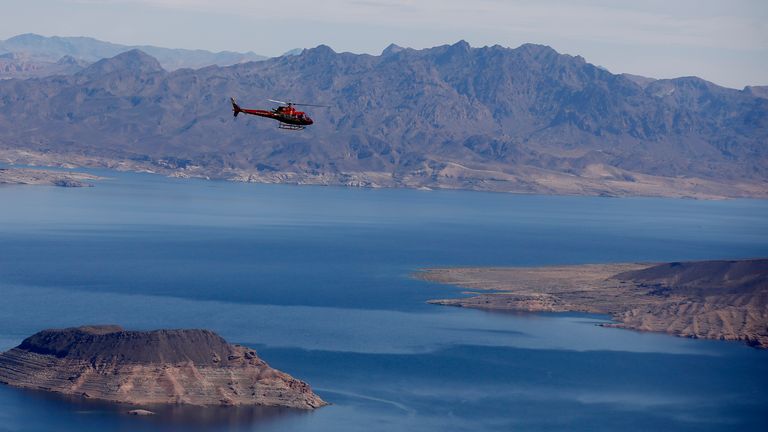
(725, 41)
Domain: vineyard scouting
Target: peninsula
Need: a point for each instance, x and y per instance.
(28, 176)
(725, 300)
(194, 367)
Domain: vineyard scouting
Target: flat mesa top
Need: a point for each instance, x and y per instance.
(111, 342)
(93, 329)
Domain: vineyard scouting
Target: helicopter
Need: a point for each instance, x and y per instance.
(288, 117)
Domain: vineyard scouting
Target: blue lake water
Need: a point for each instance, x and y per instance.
(317, 279)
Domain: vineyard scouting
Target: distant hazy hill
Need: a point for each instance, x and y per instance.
(41, 50)
(20, 65)
(524, 120)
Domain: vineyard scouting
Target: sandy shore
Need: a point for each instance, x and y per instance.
(725, 300)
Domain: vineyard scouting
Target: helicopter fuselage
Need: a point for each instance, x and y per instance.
(286, 115)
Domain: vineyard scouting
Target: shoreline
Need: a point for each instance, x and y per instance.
(723, 300)
(534, 181)
(45, 177)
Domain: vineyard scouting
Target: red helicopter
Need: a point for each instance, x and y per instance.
(287, 116)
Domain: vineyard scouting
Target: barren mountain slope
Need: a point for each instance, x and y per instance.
(522, 120)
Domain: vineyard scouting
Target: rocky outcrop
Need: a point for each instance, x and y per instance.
(195, 367)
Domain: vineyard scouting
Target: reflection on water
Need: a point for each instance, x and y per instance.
(165, 417)
(187, 417)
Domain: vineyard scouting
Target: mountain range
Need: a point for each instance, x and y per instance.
(31, 55)
(527, 120)
(22, 65)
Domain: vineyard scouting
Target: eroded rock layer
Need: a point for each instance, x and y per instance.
(195, 367)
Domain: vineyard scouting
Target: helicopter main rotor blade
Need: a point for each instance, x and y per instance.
(297, 104)
(312, 105)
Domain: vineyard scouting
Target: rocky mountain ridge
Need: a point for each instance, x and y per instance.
(20, 65)
(526, 120)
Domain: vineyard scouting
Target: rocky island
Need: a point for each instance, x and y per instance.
(725, 300)
(194, 367)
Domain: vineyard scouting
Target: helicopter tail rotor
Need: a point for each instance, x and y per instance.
(235, 107)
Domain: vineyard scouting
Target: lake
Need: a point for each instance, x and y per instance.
(318, 281)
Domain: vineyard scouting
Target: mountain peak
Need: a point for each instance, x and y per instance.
(26, 38)
(135, 60)
(461, 45)
(536, 49)
(392, 49)
(293, 52)
(321, 49)
(321, 55)
(136, 56)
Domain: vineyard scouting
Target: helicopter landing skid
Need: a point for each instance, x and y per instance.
(287, 126)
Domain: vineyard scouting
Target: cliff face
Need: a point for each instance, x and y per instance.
(195, 367)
